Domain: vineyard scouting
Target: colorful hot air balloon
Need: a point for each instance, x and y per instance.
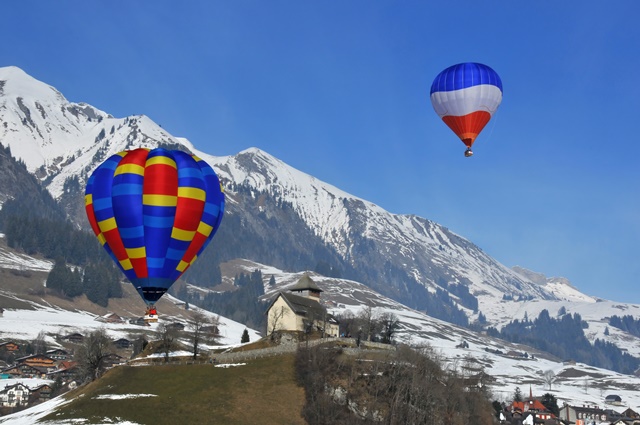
(154, 211)
(466, 96)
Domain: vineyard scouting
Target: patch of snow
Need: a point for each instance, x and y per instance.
(226, 365)
(122, 396)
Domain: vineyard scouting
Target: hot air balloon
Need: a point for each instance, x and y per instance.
(154, 212)
(466, 96)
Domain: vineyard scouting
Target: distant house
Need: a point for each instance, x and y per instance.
(27, 371)
(111, 360)
(76, 338)
(58, 354)
(16, 395)
(300, 310)
(9, 346)
(66, 370)
(613, 399)
(40, 393)
(630, 413)
(176, 326)
(37, 360)
(111, 318)
(122, 343)
(582, 414)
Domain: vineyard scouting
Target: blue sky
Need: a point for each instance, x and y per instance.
(340, 90)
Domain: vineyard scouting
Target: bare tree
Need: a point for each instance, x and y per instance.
(39, 345)
(366, 322)
(168, 336)
(91, 354)
(275, 320)
(549, 378)
(205, 329)
(389, 324)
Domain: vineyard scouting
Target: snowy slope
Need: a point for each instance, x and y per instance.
(575, 384)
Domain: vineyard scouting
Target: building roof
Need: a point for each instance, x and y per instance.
(305, 283)
(304, 306)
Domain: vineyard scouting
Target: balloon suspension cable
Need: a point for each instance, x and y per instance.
(468, 152)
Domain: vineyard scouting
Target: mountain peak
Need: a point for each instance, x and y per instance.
(14, 82)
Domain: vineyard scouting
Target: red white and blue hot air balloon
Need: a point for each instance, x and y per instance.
(466, 96)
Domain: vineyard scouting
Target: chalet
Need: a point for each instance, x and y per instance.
(111, 360)
(139, 321)
(9, 346)
(76, 338)
(66, 370)
(40, 394)
(122, 343)
(111, 318)
(630, 413)
(613, 399)
(300, 310)
(582, 415)
(37, 360)
(27, 371)
(175, 326)
(58, 354)
(14, 395)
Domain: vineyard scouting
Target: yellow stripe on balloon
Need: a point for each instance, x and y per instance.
(182, 266)
(126, 264)
(182, 235)
(108, 224)
(160, 200)
(88, 199)
(204, 228)
(161, 160)
(129, 169)
(136, 252)
(101, 239)
(192, 193)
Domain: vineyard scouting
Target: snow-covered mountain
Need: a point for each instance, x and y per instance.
(279, 215)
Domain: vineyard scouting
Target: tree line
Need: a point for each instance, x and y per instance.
(403, 387)
(564, 337)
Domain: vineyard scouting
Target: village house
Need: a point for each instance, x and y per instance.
(111, 360)
(111, 318)
(300, 310)
(9, 346)
(37, 360)
(533, 408)
(76, 338)
(613, 399)
(40, 394)
(582, 415)
(122, 343)
(66, 370)
(58, 354)
(16, 395)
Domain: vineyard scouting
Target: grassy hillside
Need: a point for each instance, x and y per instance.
(262, 391)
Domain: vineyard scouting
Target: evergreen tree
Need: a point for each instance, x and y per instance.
(245, 336)
(517, 395)
(96, 285)
(551, 403)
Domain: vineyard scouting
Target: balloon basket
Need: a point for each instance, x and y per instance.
(151, 315)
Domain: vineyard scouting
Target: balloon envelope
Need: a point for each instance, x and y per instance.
(154, 211)
(466, 96)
